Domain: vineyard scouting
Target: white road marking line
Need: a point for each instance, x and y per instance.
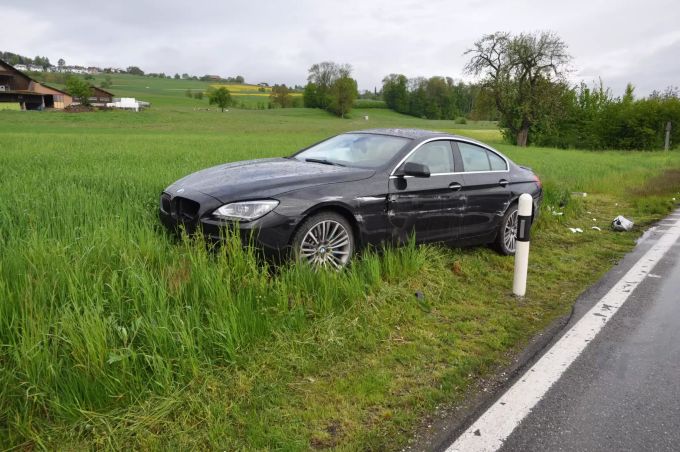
(493, 427)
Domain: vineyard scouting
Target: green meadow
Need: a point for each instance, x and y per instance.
(113, 334)
(169, 92)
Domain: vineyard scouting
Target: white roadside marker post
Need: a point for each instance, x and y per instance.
(526, 204)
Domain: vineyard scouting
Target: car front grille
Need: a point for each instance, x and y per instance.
(182, 209)
(166, 204)
(187, 210)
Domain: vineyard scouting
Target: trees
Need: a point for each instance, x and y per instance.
(134, 70)
(61, 63)
(343, 92)
(281, 96)
(591, 118)
(220, 97)
(323, 75)
(395, 92)
(330, 86)
(309, 96)
(519, 71)
(79, 88)
(43, 62)
(433, 98)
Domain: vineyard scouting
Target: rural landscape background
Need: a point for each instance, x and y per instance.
(114, 335)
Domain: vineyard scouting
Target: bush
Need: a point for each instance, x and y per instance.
(590, 118)
(79, 89)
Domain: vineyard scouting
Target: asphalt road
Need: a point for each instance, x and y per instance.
(622, 393)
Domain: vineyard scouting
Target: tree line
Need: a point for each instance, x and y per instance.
(432, 98)
(14, 59)
(590, 117)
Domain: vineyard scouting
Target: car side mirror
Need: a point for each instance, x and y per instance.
(415, 169)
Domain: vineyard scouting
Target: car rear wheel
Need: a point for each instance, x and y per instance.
(324, 240)
(506, 239)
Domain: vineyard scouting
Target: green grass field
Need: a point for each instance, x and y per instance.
(168, 92)
(113, 335)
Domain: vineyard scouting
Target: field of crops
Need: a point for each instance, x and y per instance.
(112, 334)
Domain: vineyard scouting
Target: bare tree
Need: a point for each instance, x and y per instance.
(322, 76)
(520, 72)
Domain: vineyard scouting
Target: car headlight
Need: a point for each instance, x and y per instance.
(246, 210)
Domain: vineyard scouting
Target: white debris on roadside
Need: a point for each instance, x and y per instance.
(596, 228)
(581, 194)
(622, 223)
(575, 230)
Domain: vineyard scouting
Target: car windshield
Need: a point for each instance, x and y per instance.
(355, 149)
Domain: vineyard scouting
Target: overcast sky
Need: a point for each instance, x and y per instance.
(277, 41)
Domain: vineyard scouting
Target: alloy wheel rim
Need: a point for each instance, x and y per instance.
(326, 244)
(510, 233)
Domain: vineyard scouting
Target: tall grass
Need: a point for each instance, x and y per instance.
(100, 307)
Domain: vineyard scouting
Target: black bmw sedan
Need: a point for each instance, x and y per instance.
(370, 187)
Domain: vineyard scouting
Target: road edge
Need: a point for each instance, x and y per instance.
(445, 425)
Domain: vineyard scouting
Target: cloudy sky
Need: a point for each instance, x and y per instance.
(277, 41)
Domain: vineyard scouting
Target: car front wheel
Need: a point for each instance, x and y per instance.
(324, 240)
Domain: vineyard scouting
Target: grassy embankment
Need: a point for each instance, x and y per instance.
(113, 335)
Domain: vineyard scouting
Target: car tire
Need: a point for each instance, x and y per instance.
(324, 240)
(506, 238)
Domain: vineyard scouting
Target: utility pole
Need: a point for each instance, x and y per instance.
(667, 145)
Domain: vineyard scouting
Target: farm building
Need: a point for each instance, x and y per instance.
(18, 88)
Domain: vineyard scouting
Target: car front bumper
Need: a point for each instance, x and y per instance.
(271, 233)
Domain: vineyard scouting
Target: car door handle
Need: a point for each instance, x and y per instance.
(455, 186)
(503, 183)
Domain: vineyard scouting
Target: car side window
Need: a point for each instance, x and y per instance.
(497, 163)
(436, 155)
(474, 157)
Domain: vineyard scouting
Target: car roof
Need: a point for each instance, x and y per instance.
(416, 134)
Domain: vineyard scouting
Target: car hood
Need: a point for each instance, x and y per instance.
(264, 178)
